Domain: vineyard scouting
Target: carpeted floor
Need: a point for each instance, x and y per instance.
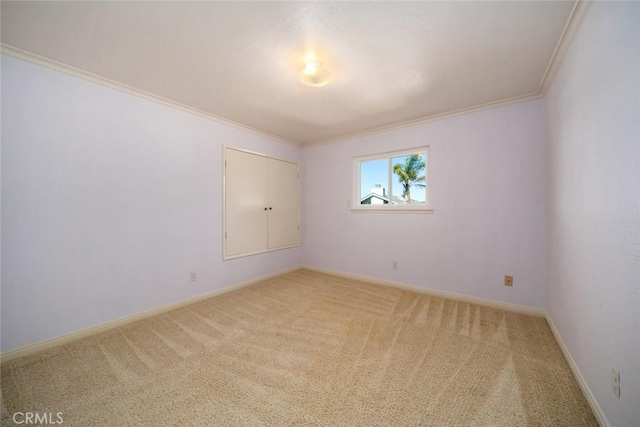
(307, 349)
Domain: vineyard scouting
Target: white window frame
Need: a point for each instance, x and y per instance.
(391, 208)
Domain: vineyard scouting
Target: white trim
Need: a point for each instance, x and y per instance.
(393, 153)
(591, 400)
(573, 24)
(94, 78)
(264, 251)
(435, 292)
(64, 339)
(393, 210)
(593, 403)
(259, 154)
(576, 17)
(83, 333)
(460, 112)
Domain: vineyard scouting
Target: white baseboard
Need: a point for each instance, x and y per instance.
(597, 411)
(593, 403)
(46, 344)
(444, 294)
(64, 339)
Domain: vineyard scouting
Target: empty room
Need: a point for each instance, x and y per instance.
(388, 213)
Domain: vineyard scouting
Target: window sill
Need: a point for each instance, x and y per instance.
(396, 210)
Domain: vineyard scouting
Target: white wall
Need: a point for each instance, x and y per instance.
(108, 202)
(593, 185)
(488, 192)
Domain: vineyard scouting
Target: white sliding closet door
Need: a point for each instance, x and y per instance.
(246, 219)
(283, 196)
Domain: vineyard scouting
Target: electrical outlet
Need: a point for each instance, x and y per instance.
(615, 382)
(194, 276)
(508, 280)
(394, 265)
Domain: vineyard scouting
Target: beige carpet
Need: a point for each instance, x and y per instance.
(308, 349)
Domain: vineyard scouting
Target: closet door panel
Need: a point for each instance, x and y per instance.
(246, 220)
(283, 197)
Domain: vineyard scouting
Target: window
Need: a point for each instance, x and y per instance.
(394, 182)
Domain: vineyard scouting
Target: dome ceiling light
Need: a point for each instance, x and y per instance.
(315, 75)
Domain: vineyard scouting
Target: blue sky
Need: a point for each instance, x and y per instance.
(374, 172)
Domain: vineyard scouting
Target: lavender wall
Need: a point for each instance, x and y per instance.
(108, 202)
(488, 192)
(593, 162)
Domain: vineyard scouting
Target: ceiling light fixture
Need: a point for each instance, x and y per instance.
(315, 75)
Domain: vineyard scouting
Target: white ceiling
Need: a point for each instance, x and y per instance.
(392, 62)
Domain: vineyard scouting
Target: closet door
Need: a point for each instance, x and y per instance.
(246, 219)
(283, 197)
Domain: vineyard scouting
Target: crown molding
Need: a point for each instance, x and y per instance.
(579, 11)
(94, 78)
(574, 21)
(440, 116)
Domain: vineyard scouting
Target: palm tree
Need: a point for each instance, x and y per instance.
(410, 175)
